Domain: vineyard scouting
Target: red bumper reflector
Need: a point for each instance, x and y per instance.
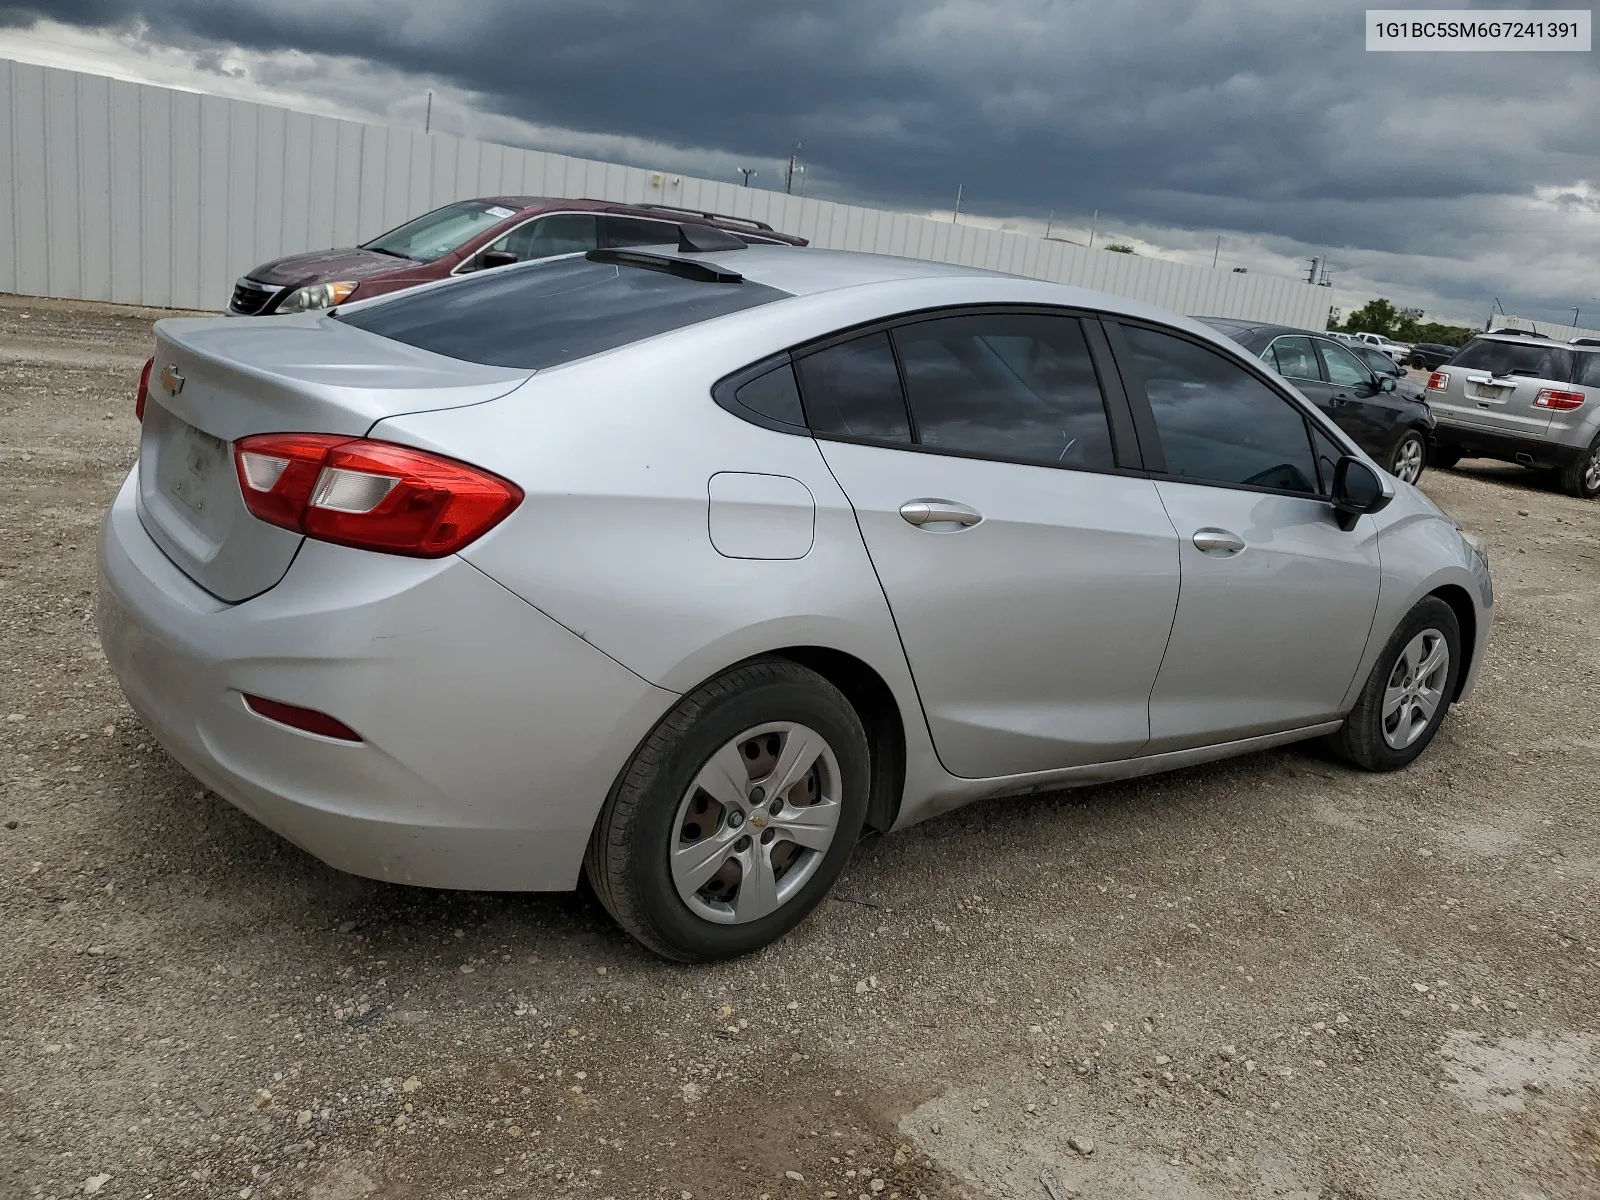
(307, 719)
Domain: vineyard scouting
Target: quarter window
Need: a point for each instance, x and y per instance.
(1217, 422)
(1013, 386)
(853, 390)
(1344, 368)
(1294, 358)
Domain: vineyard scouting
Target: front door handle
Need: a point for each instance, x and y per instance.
(929, 513)
(1218, 541)
(1339, 399)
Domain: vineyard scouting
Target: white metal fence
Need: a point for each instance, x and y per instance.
(1550, 329)
(149, 195)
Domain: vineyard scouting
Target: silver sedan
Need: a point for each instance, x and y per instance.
(683, 566)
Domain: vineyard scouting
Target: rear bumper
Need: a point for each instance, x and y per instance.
(1469, 440)
(490, 734)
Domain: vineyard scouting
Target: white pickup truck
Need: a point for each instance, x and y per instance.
(1395, 350)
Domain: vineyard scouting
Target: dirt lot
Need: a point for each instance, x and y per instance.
(1270, 977)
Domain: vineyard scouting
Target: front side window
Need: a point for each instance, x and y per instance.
(562, 233)
(853, 390)
(1006, 385)
(435, 234)
(1294, 358)
(1217, 422)
(1344, 368)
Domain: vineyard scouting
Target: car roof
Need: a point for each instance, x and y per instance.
(1262, 330)
(660, 212)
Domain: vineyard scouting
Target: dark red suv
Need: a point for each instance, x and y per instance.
(470, 235)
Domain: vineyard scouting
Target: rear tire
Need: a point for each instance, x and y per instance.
(1408, 456)
(697, 862)
(1582, 478)
(1443, 457)
(1408, 693)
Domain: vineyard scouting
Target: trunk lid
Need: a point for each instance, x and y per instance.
(215, 381)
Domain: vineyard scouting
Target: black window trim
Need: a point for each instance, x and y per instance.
(1112, 393)
(726, 394)
(1144, 416)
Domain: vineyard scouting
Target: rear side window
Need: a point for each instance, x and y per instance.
(545, 314)
(775, 396)
(853, 390)
(636, 231)
(1294, 358)
(1588, 368)
(1217, 422)
(1009, 385)
(1517, 358)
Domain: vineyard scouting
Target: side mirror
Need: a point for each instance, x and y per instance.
(1358, 489)
(496, 258)
(1387, 383)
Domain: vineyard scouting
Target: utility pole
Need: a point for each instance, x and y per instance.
(1574, 316)
(1316, 265)
(1048, 221)
(427, 121)
(1216, 252)
(747, 173)
(1093, 221)
(959, 188)
(794, 165)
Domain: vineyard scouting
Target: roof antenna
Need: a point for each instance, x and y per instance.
(701, 239)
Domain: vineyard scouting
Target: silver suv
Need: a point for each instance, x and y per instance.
(1521, 399)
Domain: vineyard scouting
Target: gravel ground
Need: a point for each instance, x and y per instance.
(1269, 977)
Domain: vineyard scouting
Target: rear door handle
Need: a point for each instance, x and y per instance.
(1218, 541)
(931, 512)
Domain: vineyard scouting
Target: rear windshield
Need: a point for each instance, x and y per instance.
(1517, 358)
(547, 313)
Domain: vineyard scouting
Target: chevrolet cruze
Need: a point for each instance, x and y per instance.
(681, 566)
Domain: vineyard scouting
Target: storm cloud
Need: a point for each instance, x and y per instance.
(1450, 178)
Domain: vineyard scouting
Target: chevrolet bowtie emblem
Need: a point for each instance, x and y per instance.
(171, 379)
(759, 822)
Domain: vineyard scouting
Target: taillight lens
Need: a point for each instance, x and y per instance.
(373, 495)
(1438, 381)
(144, 388)
(308, 719)
(1550, 398)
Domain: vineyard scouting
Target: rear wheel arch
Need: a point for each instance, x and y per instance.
(1467, 618)
(870, 695)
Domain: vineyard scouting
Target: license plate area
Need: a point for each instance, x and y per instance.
(1487, 393)
(191, 487)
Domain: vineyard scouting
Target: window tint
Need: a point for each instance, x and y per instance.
(1588, 369)
(1218, 423)
(853, 390)
(1517, 358)
(636, 231)
(1343, 366)
(435, 234)
(563, 233)
(1294, 358)
(775, 396)
(1016, 386)
(543, 314)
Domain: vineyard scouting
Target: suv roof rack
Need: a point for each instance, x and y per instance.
(1533, 333)
(711, 216)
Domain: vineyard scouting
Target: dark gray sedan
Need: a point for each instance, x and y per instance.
(1391, 426)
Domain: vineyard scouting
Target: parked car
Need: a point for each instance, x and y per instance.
(467, 236)
(680, 568)
(1428, 355)
(1390, 426)
(1382, 365)
(1395, 350)
(1530, 400)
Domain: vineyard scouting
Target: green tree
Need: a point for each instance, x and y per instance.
(1120, 248)
(1375, 316)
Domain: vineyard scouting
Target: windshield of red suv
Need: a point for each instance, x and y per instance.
(435, 234)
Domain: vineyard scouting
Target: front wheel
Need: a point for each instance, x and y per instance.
(735, 816)
(1406, 696)
(1582, 478)
(1407, 457)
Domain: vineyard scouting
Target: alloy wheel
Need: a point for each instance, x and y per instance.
(1415, 690)
(1408, 460)
(1591, 474)
(756, 823)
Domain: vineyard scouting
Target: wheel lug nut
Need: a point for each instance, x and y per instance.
(735, 819)
(742, 844)
(776, 806)
(757, 795)
(766, 837)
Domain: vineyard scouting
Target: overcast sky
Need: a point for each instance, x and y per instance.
(1438, 180)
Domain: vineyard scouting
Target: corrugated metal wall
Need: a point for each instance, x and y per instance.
(1550, 329)
(147, 195)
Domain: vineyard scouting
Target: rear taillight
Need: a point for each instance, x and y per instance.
(1438, 381)
(1550, 398)
(144, 388)
(373, 495)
